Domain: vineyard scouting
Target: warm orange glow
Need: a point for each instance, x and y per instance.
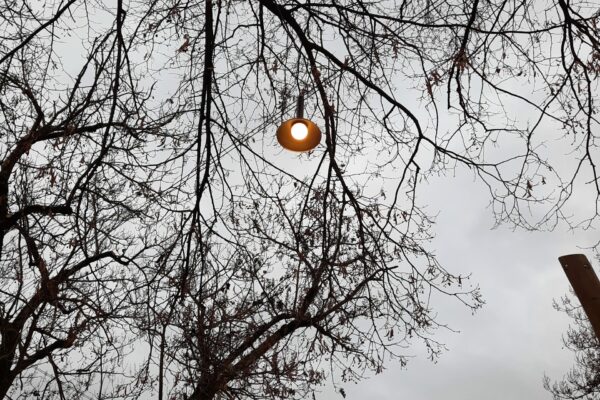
(299, 134)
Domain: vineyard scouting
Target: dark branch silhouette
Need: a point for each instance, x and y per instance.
(157, 243)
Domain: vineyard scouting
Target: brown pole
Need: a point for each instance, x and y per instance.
(586, 285)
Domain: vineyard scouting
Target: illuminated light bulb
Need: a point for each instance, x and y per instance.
(298, 134)
(299, 131)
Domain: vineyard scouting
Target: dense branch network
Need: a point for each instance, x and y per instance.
(157, 243)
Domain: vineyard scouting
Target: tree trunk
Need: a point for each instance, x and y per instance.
(6, 379)
(8, 345)
(203, 392)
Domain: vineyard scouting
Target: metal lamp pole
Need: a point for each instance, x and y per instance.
(586, 285)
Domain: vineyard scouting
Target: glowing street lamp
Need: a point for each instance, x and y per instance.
(299, 134)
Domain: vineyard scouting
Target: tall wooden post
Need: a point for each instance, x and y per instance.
(586, 285)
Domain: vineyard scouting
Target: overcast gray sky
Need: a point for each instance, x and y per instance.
(504, 350)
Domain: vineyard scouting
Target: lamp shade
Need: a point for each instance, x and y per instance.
(299, 134)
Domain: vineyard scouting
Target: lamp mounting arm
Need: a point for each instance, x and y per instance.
(300, 105)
